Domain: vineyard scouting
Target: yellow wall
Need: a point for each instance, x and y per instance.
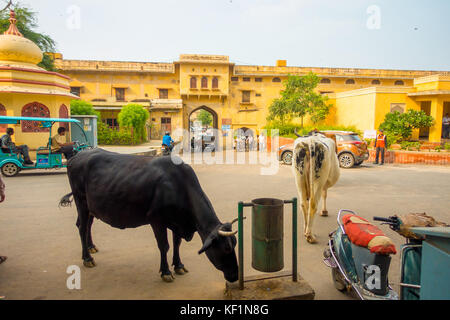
(356, 110)
(15, 103)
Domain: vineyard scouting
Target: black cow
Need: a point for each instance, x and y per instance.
(127, 191)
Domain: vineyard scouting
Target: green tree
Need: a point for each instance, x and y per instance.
(299, 99)
(27, 23)
(134, 118)
(403, 124)
(81, 107)
(205, 118)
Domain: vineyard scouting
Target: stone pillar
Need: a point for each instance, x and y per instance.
(437, 110)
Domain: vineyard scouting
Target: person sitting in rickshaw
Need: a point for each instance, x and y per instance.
(60, 144)
(8, 146)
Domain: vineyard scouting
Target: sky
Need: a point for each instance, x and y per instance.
(390, 34)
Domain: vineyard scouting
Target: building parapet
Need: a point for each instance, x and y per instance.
(432, 78)
(204, 58)
(240, 70)
(114, 66)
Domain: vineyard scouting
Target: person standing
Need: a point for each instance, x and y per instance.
(446, 126)
(381, 145)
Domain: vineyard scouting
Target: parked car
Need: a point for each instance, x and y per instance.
(351, 149)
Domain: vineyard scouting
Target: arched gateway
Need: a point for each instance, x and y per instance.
(198, 129)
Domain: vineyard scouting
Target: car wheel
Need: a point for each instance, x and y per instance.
(287, 158)
(346, 160)
(10, 170)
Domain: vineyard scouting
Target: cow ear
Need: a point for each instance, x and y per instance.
(206, 245)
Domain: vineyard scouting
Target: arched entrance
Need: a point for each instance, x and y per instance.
(202, 122)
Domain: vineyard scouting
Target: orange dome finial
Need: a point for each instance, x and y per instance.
(12, 27)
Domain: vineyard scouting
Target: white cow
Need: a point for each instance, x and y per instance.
(316, 168)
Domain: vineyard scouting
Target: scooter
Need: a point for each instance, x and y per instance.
(355, 268)
(165, 150)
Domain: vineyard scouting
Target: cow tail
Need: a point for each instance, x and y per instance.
(312, 155)
(66, 201)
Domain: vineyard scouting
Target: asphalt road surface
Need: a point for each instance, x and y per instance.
(42, 241)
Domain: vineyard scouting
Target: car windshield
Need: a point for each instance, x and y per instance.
(349, 137)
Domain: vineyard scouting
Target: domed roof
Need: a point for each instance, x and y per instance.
(14, 47)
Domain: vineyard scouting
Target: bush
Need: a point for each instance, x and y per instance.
(108, 136)
(402, 124)
(409, 145)
(83, 108)
(287, 130)
(392, 139)
(133, 119)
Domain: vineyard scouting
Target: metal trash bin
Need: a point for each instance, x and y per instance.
(267, 235)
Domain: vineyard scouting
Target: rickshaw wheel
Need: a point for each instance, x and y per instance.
(338, 280)
(10, 170)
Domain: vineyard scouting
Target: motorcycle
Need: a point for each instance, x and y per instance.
(353, 267)
(165, 150)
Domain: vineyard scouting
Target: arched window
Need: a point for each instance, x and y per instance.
(276, 80)
(3, 127)
(64, 114)
(37, 110)
(399, 83)
(193, 83)
(350, 81)
(325, 80)
(398, 107)
(215, 83)
(204, 82)
(376, 82)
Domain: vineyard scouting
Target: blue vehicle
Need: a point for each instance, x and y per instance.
(11, 164)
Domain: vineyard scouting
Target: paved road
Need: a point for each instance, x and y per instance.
(42, 241)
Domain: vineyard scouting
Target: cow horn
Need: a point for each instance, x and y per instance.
(229, 233)
(296, 133)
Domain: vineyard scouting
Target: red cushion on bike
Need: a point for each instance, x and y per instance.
(364, 234)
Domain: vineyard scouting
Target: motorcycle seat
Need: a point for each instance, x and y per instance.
(364, 234)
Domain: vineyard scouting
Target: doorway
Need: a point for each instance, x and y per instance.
(203, 125)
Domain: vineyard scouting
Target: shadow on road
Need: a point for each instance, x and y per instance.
(40, 174)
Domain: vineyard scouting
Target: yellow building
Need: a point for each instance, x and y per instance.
(239, 96)
(28, 90)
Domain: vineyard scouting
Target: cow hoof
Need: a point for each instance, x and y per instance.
(311, 239)
(181, 271)
(167, 278)
(93, 250)
(89, 264)
(324, 214)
